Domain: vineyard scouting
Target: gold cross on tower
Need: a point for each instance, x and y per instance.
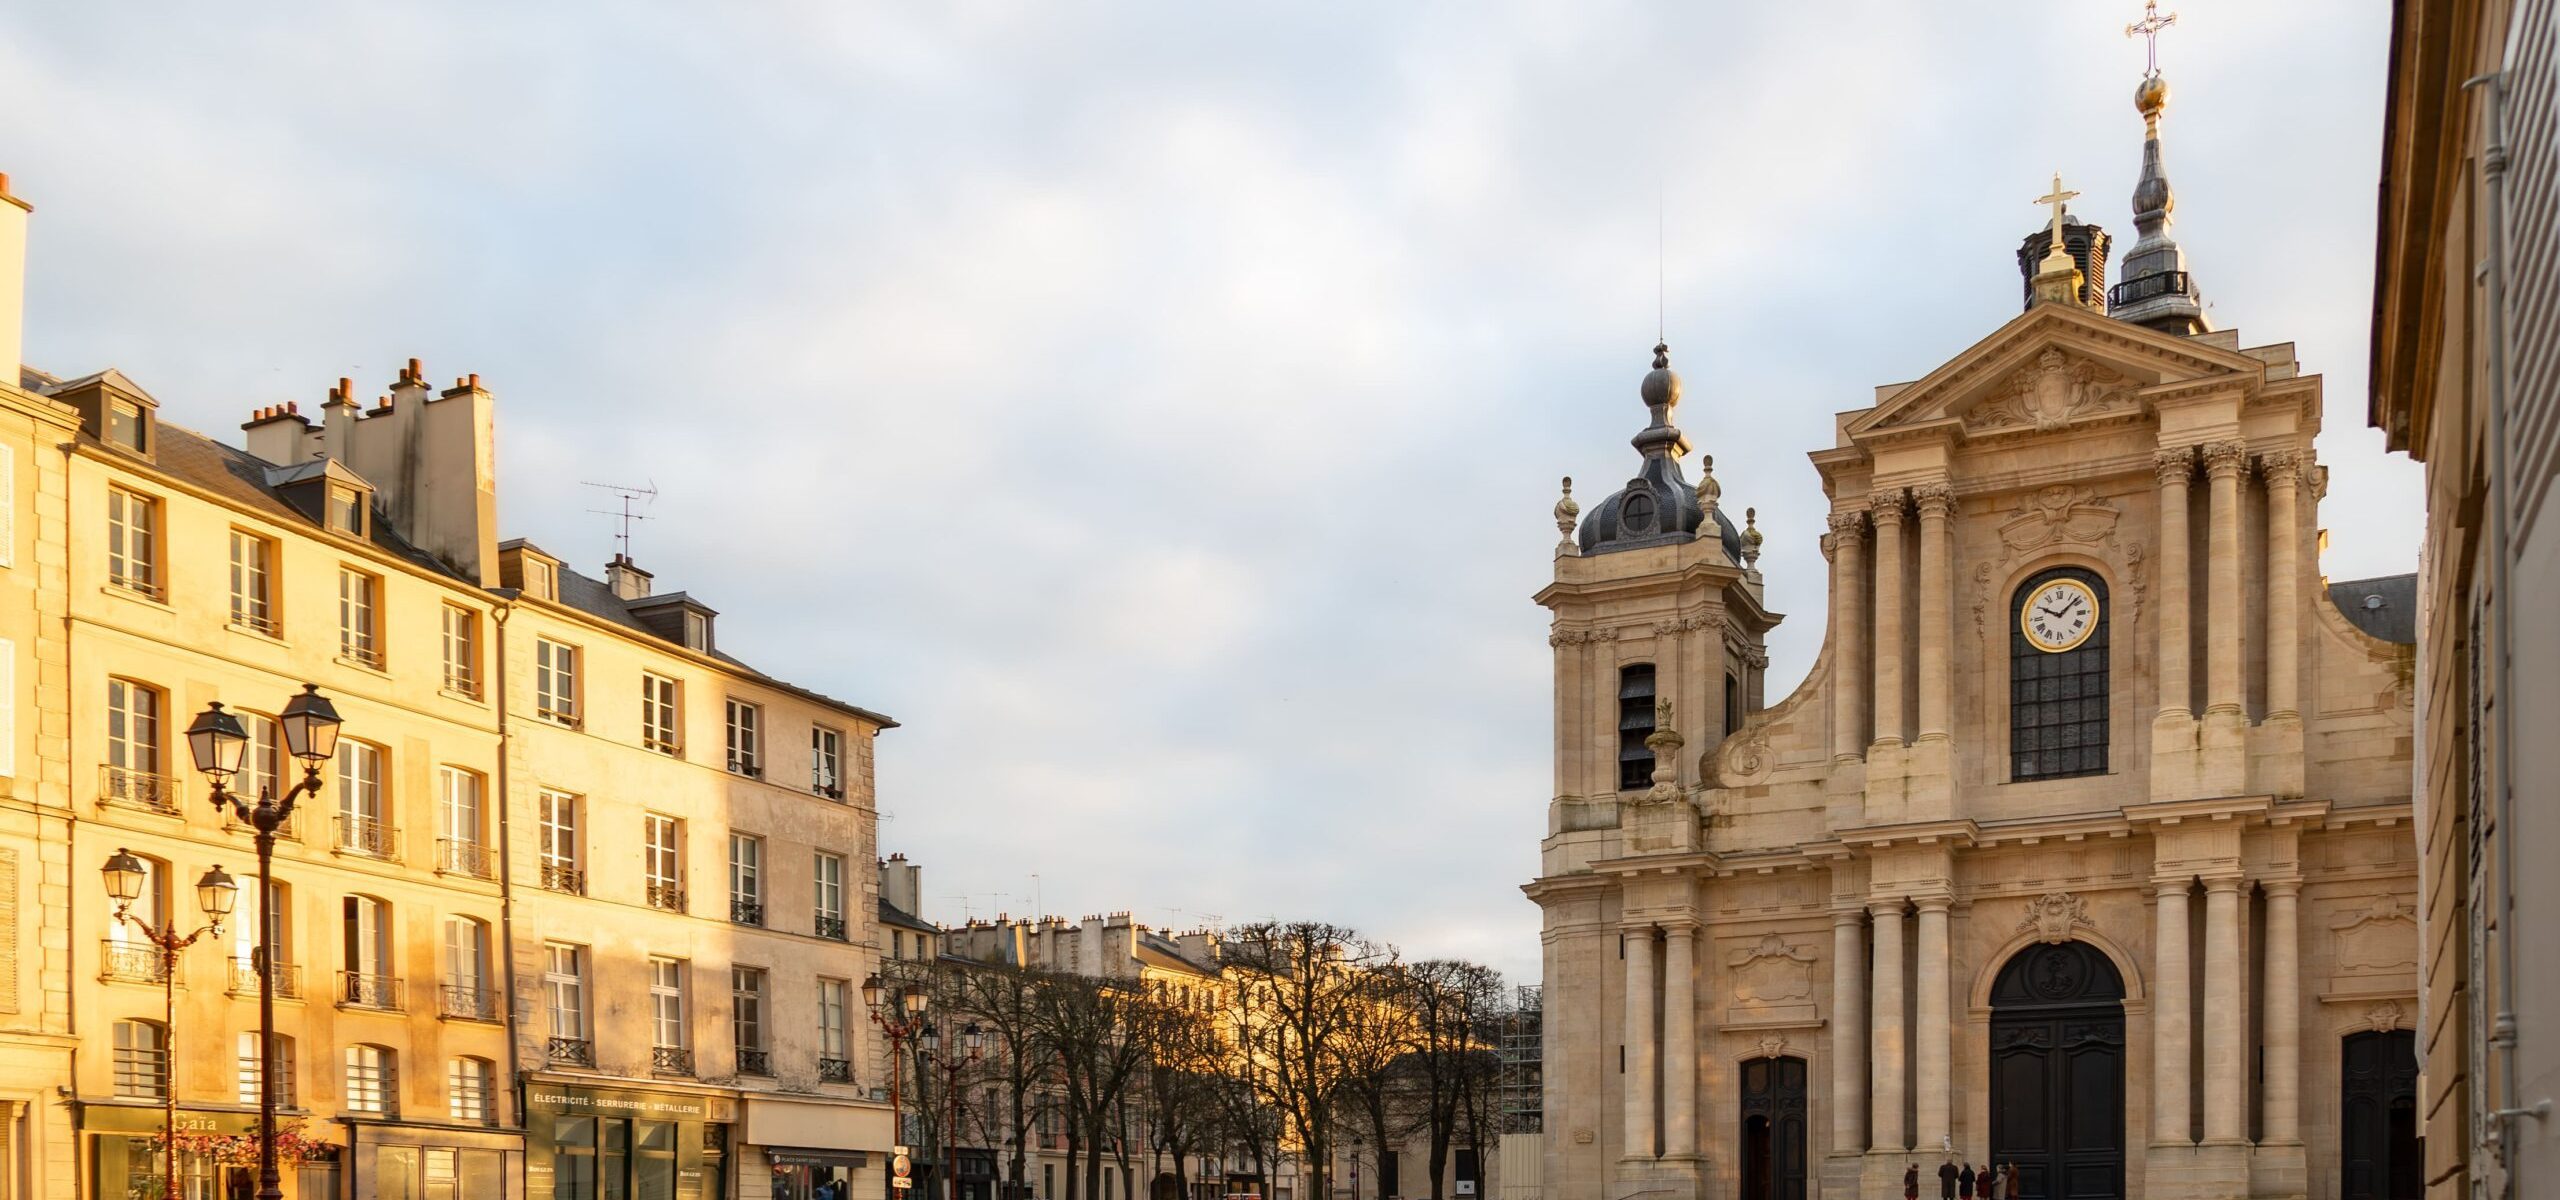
(2148, 28)
(2055, 198)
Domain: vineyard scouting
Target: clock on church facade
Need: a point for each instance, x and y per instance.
(2083, 845)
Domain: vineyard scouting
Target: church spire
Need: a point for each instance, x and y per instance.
(2157, 290)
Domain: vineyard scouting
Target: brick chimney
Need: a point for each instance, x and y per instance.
(626, 578)
(900, 881)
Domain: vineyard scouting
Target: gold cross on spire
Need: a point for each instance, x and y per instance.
(2148, 28)
(2055, 198)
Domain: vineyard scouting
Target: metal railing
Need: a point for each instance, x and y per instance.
(372, 837)
(132, 962)
(752, 1061)
(467, 1002)
(125, 787)
(359, 989)
(835, 1070)
(142, 1074)
(256, 622)
(374, 1090)
(746, 912)
(142, 585)
(2144, 287)
(670, 1060)
(284, 977)
(457, 857)
(826, 926)
(367, 653)
(745, 764)
(572, 1052)
(564, 877)
(666, 896)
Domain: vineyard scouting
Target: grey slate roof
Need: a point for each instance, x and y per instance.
(891, 914)
(2385, 606)
(595, 598)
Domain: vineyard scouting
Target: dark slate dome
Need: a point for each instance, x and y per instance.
(1659, 506)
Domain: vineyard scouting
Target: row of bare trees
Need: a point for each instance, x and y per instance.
(1310, 1043)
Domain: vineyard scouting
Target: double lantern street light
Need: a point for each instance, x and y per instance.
(900, 1014)
(216, 893)
(219, 745)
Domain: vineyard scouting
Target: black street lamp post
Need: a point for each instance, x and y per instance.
(215, 894)
(899, 1013)
(220, 746)
(965, 1054)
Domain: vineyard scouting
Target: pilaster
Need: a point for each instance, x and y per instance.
(2174, 769)
(1848, 636)
(2226, 719)
(1885, 1130)
(1888, 508)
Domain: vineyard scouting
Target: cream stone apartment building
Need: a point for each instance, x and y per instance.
(2085, 844)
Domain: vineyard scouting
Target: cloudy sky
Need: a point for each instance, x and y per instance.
(1157, 407)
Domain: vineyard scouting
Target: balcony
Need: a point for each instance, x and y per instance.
(371, 837)
(835, 1070)
(364, 651)
(358, 989)
(289, 831)
(746, 912)
(467, 1002)
(285, 978)
(564, 877)
(666, 896)
(457, 857)
(745, 764)
(132, 962)
(752, 1061)
(827, 925)
(459, 680)
(125, 787)
(139, 583)
(670, 1060)
(256, 621)
(572, 1052)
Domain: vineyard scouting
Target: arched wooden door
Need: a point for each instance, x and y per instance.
(2378, 1117)
(1773, 1129)
(2057, 1072)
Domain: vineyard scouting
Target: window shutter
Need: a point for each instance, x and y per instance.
(8, 708)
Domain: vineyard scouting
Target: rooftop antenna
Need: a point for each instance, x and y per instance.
(1661, 257)
(645, 493)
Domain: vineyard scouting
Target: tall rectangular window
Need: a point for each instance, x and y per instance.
(564, 985)
(461, 650)
(658, 708)
(470, 1087)
(555, 681)
(562, 867)
(265, 767)
(833, 1033)
(666, 1003)
(462, 839)
(253, 582)
(746, 739)
(828, 885)
(826, 761)
(359, 616)
(142, 1059)
(364, 811)
(133, 535)
(746, 879)
(252, 1068)
(133, 726)
(1635, 724)
(663, 859)
(373, 1080)
(746, 1013)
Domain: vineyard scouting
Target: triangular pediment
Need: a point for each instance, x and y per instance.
(2052, 365)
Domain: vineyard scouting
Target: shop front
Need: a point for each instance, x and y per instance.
(217, 1154)
(813, 1149)
(430, 1160)
(591, 1143)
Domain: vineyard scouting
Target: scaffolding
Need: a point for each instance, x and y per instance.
(1523, 1062)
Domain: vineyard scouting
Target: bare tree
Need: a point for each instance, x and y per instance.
(1298, 991)
(1004, 1001)
(1455, 1066)
(1184, 1078)
(1092, 1030)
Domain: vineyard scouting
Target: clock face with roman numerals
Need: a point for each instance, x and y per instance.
(2059, 616)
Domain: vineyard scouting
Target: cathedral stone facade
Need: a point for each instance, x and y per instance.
(2084, 844)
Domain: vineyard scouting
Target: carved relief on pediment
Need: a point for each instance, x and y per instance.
(2057, 917)
(2051, 392)
(1772, 982)
(2379, 939)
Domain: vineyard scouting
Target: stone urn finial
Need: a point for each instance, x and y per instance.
(1567, 512)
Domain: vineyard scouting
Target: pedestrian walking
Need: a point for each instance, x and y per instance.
(1911, 1182)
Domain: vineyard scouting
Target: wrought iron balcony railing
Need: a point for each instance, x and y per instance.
(752, 1061)
(125, 787)
(835, 1070)
(572, 1052)
(284, 977)
(829, 926)
(670, 1060)
(372, 837)
(746, 912)
(457, 857)
(132, 962)
(360, 989)
(666, 896)
(564, 877)
(468, 1002)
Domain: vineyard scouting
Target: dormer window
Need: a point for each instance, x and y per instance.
(538, 581)
(128, 426)
(697, 633)
(347, 510)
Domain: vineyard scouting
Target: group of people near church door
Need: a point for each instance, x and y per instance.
(1965, 1181)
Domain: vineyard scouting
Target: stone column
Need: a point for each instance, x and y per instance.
(2225, 1024)
(2176, 467)
(2170, 1009)
(2283, 1018)
(1679, 1042)
(1887, 508)
(1884, 1098)
(2284, 548)
(1932, 1030)
(1848, 636)
(1641, 1064)
(1848, 1029)
(1937, 503)
(2223, 464)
